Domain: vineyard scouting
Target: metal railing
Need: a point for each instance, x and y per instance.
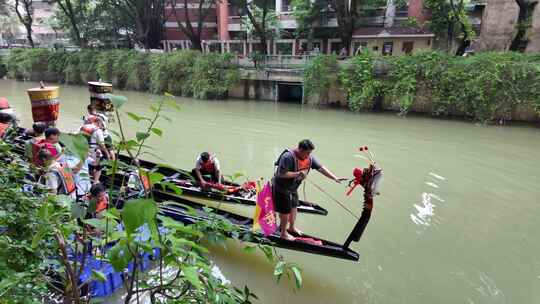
(284, 62)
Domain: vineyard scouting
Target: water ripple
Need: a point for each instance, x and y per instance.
(425, 210)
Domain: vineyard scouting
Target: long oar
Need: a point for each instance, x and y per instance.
(335, 200)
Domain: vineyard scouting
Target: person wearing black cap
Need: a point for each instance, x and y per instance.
(207, 169)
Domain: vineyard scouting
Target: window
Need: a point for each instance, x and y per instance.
(358, 46)
(407, 47)
(237, 48)
(286, 6)
(335, 47)
(375, 48)
(284, 48)
(388, 47)
(214, 47)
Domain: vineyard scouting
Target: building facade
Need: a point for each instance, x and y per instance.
(382, 31)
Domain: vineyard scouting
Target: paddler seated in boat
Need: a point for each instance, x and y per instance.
(58, 178)
(207, 170)
(38, 134)
(97, 200)
(292, 167)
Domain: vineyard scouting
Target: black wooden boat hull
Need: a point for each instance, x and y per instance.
(194, 194)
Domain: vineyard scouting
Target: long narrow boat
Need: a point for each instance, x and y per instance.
(175, 207)
(238, 194)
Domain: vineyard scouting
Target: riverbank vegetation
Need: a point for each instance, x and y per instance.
(484, 87)
(182, 73)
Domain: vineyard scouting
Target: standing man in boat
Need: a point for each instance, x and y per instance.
(98, 149)
(292, 167)
(207, 165)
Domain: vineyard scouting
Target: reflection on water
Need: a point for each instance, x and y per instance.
(424, 215)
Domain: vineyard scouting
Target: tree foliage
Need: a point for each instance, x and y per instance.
(194, 34)
(450, 22)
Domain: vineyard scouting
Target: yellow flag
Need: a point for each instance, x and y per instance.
(256, 225)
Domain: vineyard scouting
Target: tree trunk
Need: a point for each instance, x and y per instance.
(524, 22)
(26, 18)
(346, 16)
(29, 35)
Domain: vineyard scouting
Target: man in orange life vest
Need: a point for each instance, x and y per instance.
(58, 179)
(207, 165)
(96, 141)
(292, 168)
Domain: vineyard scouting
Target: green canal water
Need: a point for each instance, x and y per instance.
(456, 222)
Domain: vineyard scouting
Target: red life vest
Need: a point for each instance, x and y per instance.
(4, 104)
(88, 129)
(208, 167)
(42, 144)
(66, 177)
(91, 119)
(3, 128)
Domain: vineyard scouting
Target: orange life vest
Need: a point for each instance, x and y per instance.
(299, 164)
(102, 203)
(302, 164)
(143, 175)
(3, 128)
(66, 177)
(4, 104)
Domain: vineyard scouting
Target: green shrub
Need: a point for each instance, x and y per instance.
(484, 87)
(183, 73)
(320, 75)
(360, 83)
(3, 68)
(212, 76)
(138, 69)
(24, 63)
(180, 70)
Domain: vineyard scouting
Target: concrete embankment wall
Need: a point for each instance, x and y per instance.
(263, 85)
